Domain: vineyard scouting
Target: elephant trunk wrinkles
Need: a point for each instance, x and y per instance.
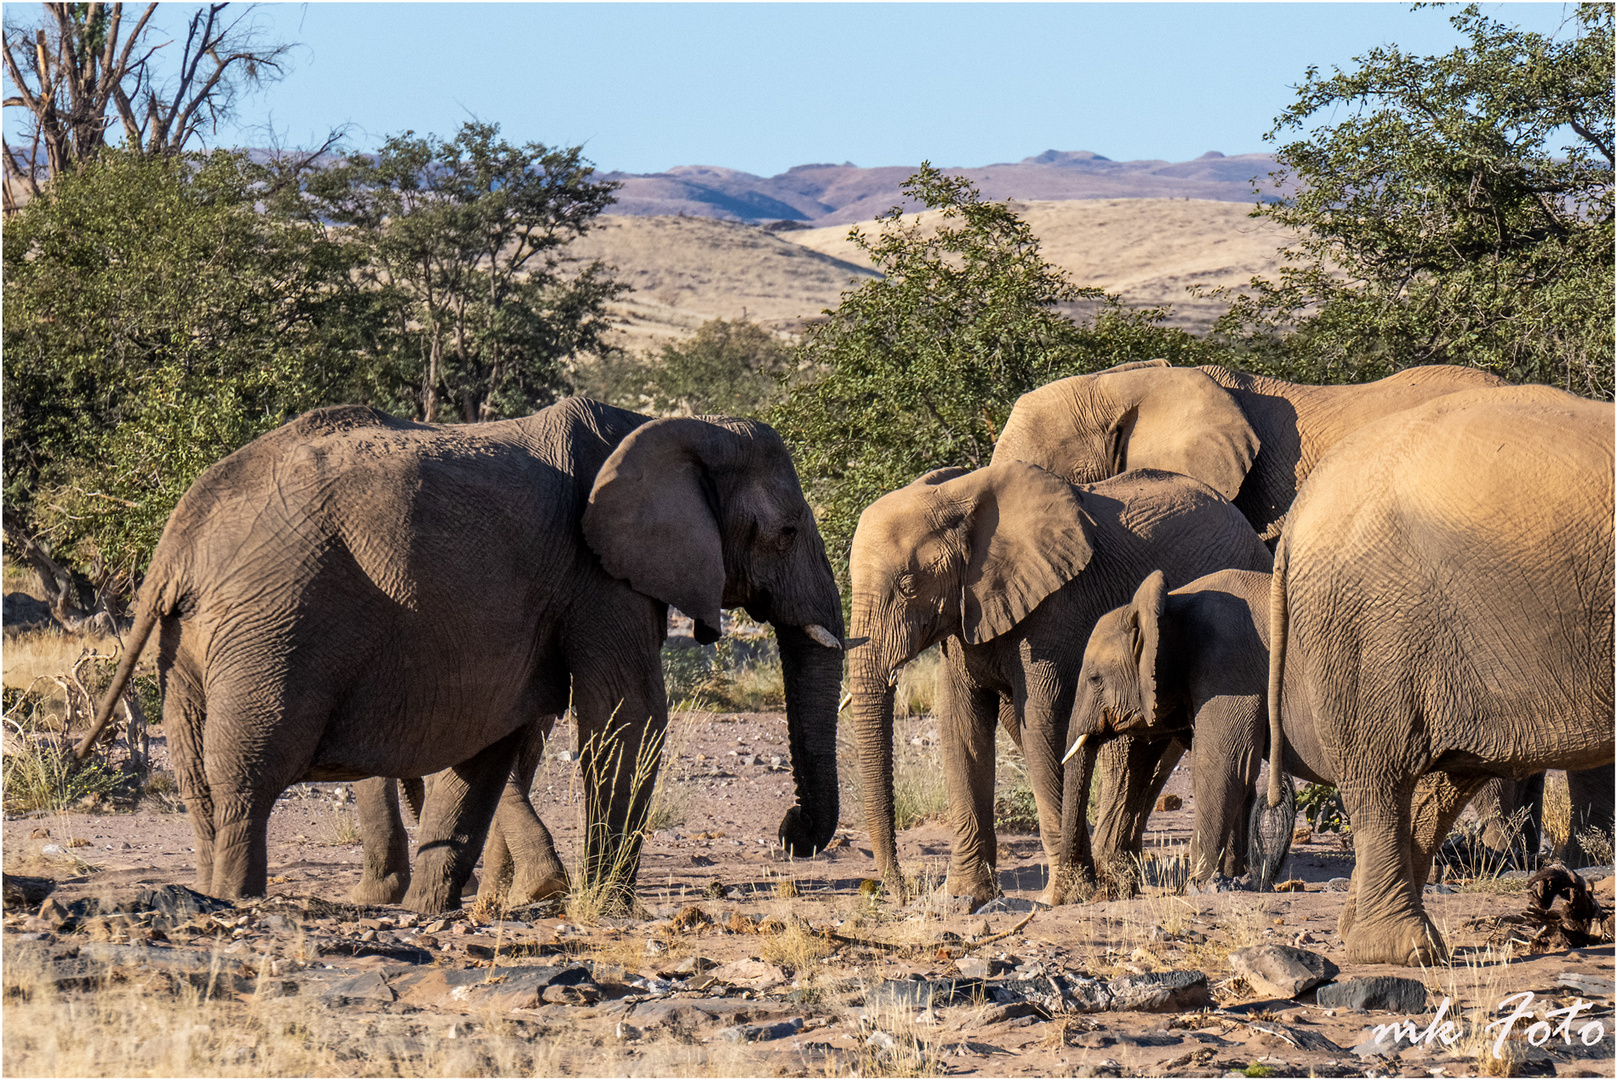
(1077, 861)
(873, 689)
(813, 677)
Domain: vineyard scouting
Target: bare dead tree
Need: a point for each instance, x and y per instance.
(82, 71)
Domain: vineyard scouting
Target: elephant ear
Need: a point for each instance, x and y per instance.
(1134, 416)
(652, 521)
(1149, 600)
(1027, 536)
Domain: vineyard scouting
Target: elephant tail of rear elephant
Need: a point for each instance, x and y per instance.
(1277, 671)
(155, 602)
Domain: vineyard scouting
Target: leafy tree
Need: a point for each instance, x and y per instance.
(471, 234)
(919, 368)
(728, 367)
(155, 319)
(1460, 212)
(83, 72)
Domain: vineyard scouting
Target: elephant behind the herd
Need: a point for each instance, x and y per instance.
(354, 595)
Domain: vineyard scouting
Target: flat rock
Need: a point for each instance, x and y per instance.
(1586, 984)
(699, 1014)
(977, 967)
(753, 974)
(1300, 1037)
(762, 1032)
(1016, 904)
(367, 986)
(1281, 970)
(1164, 991)
(1381, 993)
(23, 892)
(924, 992)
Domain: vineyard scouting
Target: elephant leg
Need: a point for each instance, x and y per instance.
(183, 719)
(1224, 776)
(1133, 770)
(415, 795)
(244, 755)
(1388, 924)
(530, 870)
(385, 874)
(1511, 812)
(969, 714)
(1590, 792)
(1046, 713)
(455, 823)
(622, 714)
(1439, 799)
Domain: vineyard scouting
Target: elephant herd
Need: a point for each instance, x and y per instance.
(1404, 588)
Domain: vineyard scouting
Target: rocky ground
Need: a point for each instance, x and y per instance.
(745, 962)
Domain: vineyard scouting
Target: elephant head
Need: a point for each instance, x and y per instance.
(1119, 689)
(1144, 415)
(954, 554)
(705, 514)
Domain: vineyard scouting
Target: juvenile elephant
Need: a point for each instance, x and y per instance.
(1442, 604)
(1009, 567)
(1190, 665)
(354, 595)
(1251, 438)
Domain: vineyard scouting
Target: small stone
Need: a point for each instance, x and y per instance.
(368, 935)
(1338, 884)
(53, 914)
(40, 834)
(748, 759)
(753, 974)
(565, 755)
(1170, 802)
(1302, 834)
(694, 965)
(976, 967)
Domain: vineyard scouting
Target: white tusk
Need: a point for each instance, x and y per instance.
(1077, 747)
(823, 636)
(844, 704)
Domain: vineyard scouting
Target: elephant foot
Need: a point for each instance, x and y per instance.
(1407, 942)
(536, 888)
(376, 892)
(974, 891)
(1344, 921)
(1069, 886)
(434, 897)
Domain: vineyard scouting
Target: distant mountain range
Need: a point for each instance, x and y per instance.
(842, 194)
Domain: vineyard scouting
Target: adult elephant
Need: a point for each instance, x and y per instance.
(354, 595)
(1009, 567)
(1443, 604)
(1251, 438)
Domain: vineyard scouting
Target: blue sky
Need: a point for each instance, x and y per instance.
(763, 87)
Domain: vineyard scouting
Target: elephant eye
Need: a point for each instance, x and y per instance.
(905, 584)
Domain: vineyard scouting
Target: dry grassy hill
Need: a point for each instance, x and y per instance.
(686, 270)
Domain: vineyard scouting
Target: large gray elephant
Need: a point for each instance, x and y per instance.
(1442, 605)
(1251, 438)
(354, 595)
(1009, 567)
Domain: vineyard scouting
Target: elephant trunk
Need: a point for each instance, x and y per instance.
(812, 673)
(1077, 862)
(872, 691)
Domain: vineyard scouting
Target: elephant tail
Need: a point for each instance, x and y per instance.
(147, 613)
(1277, 668)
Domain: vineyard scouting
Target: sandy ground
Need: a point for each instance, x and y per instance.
(391, 987)
(1149, 251)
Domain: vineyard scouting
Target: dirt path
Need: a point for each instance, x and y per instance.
(744, 962)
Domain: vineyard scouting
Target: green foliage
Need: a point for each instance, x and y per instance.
(1017, 810)
(1457, 209)
(919, 368)
(729, 367)
(469, 235)
(39, 772)
(1321, 806)
(156, 319)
